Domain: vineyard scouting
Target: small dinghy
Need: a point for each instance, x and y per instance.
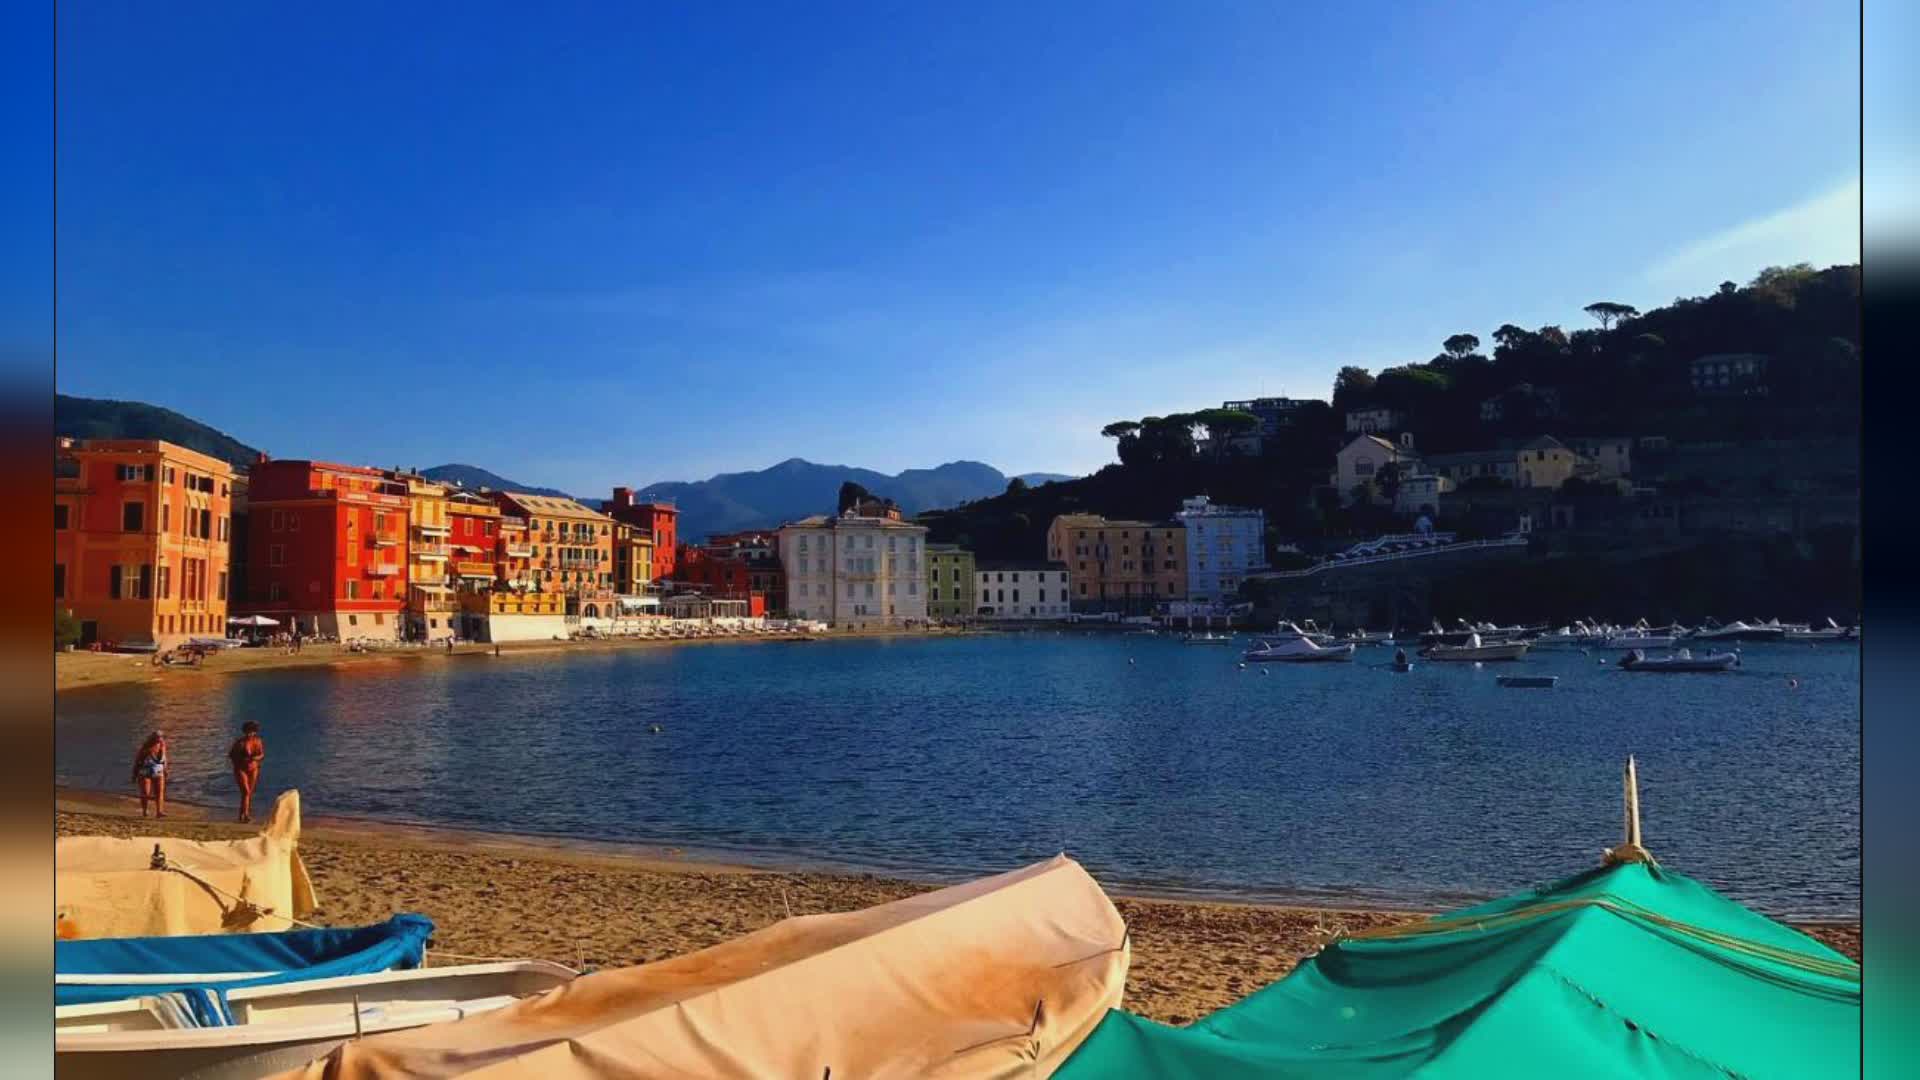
(1528, 682)
(1400, 662)
(1681, 660)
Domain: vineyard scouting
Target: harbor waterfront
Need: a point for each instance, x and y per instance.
(1162, 768)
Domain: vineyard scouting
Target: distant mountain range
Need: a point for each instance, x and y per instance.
(727, 503)
(796, 488)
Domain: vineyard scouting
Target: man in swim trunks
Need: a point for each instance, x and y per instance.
(245, 755)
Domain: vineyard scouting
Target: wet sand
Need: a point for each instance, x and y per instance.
(75, 670)
(591, 906)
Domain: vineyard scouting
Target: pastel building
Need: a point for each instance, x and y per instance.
(1128, 567)
(141, 535)
(570, 551)
(857, 571)
(950, 582)
(1360, 461)
(1545, 462)
(433, 611)
(1224, 545)
(658, 518)
(1007, 591)
(327, 548)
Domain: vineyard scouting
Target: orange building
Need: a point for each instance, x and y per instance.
(327, 548)
(142, 531)
(658, 519)
(571, 550)
(1129, 567)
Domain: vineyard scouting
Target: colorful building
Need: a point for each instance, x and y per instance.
(950, 570)
(514, 555)
(735, 566)
(855, 571)
(1224, 545)
(142, 530)
(658, 518)
(1126, 567)
(571, 550)
(632, 559)
(327, 548)
(433, 612)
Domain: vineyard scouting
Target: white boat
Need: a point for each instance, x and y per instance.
(1565, 635)
(1831, 632)
(1638, 639)
(1362, 637)
(1738, 631)
(1473, 649)
(282, 1026)
(1681, 660)
(1298, 649)
(1207, 639)
(1311, 633)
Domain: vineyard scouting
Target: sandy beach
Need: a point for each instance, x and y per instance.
(591, 906)
(76, 670)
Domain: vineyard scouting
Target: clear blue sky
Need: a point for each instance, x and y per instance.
(598, 244)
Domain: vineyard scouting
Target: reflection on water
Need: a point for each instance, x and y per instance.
(953, 756)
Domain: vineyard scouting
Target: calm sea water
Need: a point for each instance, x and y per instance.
(1158, 765)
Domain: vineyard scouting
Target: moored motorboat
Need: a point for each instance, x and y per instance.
(1475, 649)
(1296, 650)
(1682, 660)
(1362, 637)
(1208, 638)
(1831, 632)
(1638, 639)
(1737, 631)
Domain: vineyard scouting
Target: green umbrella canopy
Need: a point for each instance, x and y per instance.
(1627, 970)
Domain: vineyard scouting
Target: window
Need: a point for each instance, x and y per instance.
(133, 516)
(115, 579)
(293, 523)
(353, 620)
(59, 515)
(59, 579)
(166, 583)
(146, 581)
(279, 520)
(353, 589)
(222, 593)
(277, 555)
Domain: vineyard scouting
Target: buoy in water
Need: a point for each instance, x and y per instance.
(1793, 684)
(655, 728)
(1603, 661)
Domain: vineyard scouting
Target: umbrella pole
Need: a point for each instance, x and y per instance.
(1630, 849)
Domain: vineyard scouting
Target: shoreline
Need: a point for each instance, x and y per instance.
(83, 670)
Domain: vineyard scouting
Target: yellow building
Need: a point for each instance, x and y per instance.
(432, 612)
(632, 559)
(1129, 567)
(1545, 462)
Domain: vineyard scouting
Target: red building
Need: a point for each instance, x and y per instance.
(327, 548)
(657, 518)
(733, 571)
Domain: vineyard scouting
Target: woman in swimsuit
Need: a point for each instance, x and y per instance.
(245, 755)
(150, 774)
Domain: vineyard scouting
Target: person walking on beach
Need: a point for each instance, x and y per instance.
(245, 755)
(150, 774)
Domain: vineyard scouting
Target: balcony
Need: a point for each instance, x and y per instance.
(383, 569)
(432, 530)
(519, 551)
(382, 540)
(430, 554)
(474, 570)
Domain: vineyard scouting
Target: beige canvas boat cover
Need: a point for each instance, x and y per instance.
(106, 887)
(999, 977)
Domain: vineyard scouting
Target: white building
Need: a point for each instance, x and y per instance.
(1420, 494)
(1021, 591)
(1374, 421)
(1224, 544)
(853, 571)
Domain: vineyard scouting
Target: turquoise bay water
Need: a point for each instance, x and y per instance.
(1159, 765)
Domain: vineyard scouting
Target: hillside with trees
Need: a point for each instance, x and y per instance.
(1628, 374)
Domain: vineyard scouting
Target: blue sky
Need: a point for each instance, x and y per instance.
(601, 244)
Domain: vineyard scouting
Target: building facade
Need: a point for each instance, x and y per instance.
(1023, 591)
(1420, 494)
(1729, 373)
(632, 559)
(658, 518)
(327, 548)
(1128, 567)
(950, 582)
(570, 551)
(1544, 462)
(1276, 414)
(432, 611)
(1224, 545)
(1374, 421)
(142, 534)
(1610, 456)
(855, 571)
(1364, 456)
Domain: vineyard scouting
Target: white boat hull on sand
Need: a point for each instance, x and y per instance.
(284, 1026)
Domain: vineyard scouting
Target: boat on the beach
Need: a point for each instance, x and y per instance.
(246, 1031)
(1626, 969)
(1473, 649)
(1529, 682)
(1298, 649)
(1680, 660)
(1003, 976)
